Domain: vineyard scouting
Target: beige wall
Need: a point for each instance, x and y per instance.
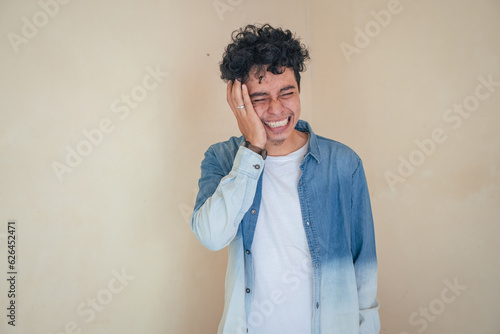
(103, 243)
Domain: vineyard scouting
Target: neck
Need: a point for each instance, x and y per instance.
(296, 140)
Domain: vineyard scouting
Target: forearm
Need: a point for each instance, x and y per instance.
(366, 279)
(216, 221)
(364, 255)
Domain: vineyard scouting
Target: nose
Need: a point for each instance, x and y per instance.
(276, 107)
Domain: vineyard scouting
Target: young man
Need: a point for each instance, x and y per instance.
(292, 206)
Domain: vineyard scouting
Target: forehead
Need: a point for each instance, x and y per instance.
(265, 80)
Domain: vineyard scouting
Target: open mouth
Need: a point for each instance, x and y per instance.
(278, 123)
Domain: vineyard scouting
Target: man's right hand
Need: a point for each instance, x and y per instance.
(249, 123)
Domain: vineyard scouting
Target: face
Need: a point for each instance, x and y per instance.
(276, 101)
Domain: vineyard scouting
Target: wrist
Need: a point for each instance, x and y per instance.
(256, 149)
(256, 142)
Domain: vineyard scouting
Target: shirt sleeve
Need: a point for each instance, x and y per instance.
(364, 254)
(223, 200)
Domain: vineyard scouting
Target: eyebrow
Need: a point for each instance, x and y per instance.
(267, 94)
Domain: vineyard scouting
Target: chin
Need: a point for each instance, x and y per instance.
(276, 140)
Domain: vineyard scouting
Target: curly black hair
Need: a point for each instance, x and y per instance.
(262, 46)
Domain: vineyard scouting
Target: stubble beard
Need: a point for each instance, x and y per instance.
(277, 142)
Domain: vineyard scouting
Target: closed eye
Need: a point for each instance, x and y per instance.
(286, 95)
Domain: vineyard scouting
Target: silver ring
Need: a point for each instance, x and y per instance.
(240, 107)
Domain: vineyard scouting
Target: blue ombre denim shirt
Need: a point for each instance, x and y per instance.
(337, 220)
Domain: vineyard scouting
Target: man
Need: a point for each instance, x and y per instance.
(292, 206)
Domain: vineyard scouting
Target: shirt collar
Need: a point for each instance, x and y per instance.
(313, 149)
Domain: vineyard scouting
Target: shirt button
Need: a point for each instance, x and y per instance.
(307, 223)
(247, 290)
(248, 252)
(317, 304)
(256, 166)
(253, 211)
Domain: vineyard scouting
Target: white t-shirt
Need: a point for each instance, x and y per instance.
(282, 300)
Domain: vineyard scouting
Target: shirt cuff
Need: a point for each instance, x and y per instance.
(248, 162)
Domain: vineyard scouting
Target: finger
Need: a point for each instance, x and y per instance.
(246, 99)
(229, 90)
(230, 99)
(237, 96)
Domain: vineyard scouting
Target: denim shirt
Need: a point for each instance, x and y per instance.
(337, 220)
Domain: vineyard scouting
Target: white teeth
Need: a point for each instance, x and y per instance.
(277, 124)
